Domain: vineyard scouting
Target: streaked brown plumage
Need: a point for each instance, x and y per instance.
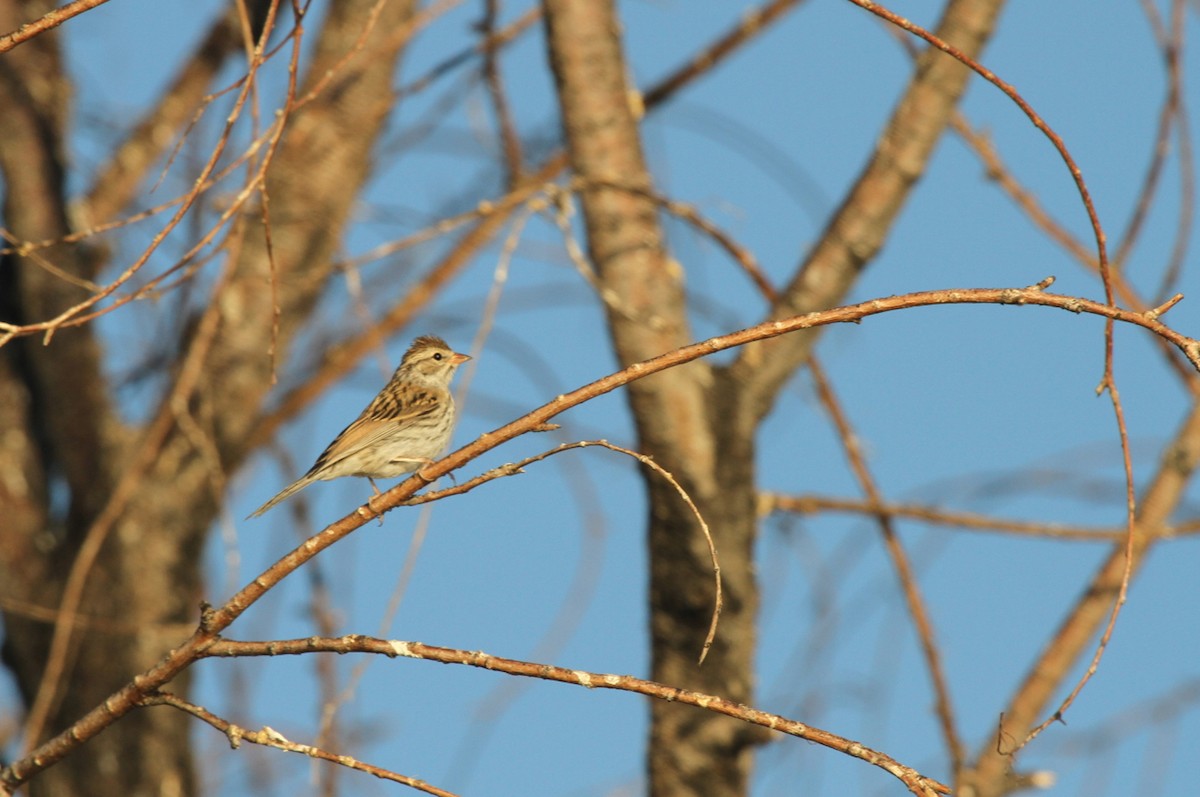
(403, 427)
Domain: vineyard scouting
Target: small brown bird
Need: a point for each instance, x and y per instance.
(401, 430)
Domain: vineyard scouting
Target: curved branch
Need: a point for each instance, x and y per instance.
(991, 77)
(987, 776)
(356, 643)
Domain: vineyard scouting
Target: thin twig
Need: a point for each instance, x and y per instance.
(740, 254)
(269, 737)
(509, 140)
(514, 468)
(812, 504)
(1162, 138)
(904, 571)
(718, 600)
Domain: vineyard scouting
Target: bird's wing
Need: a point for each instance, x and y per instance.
(381, 418)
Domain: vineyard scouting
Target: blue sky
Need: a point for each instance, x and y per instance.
(988, 409)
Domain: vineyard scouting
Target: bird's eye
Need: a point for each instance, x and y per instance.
(437, 356)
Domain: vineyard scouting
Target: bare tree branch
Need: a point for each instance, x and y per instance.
(916, 782)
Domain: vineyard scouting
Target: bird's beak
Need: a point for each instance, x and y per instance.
(459, 359)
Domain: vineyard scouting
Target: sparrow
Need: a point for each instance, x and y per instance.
(400, 431)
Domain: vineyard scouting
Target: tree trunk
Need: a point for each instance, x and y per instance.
(677, 417)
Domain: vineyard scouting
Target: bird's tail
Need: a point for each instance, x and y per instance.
(286, 492)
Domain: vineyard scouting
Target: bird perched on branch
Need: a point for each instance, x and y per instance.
(401, 430)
